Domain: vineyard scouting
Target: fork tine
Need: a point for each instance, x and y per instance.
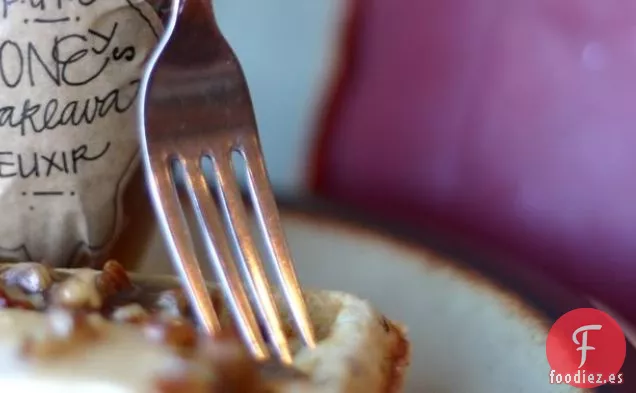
(234, 208)
(269, 222)
(175, 231)
(218, 248)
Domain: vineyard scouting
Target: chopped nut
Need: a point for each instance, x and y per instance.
(173, 302)
(66, 331)
(131, 313)
(112, 279)
(30, 277)
(176, 332)
(76, 292)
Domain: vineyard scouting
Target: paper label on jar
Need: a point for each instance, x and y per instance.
(69, 78)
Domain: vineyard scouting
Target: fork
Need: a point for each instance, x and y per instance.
(196, 105)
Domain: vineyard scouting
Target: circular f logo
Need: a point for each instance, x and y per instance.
(586, 348)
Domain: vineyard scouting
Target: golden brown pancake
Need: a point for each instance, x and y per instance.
(79, 330)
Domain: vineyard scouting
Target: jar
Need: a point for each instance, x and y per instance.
(72, 191)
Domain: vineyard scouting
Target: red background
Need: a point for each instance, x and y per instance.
(510, 123)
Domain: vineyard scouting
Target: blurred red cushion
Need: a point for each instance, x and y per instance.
(512, 122)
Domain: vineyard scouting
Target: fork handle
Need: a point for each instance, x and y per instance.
(197, 34)
(197, 10)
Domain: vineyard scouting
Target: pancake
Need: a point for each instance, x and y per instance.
(79, 330)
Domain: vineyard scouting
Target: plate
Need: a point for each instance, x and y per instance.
(477, 325)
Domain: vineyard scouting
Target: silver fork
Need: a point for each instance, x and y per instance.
(196, 104)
